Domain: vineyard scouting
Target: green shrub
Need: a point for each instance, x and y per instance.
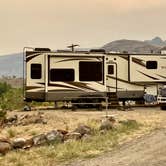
(4, 87)
(12, 99)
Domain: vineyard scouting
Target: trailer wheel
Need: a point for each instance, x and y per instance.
(100, 107)
(74, 107)
(163, 107)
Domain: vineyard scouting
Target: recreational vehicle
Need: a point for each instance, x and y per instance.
(95, 75)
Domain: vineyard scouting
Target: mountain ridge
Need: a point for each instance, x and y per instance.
(135, 46)
(12, 64)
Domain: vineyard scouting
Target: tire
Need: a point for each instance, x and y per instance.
(141, 102)
(74, 108)
(100, 107)
(163, 107)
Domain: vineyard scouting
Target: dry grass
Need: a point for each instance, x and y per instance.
(56, 153)
(151, 118)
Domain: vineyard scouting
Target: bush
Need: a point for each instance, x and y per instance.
(11, 99)
(4, 87)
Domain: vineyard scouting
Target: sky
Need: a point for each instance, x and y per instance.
(89, 23)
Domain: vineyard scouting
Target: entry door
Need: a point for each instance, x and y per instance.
(111, 80)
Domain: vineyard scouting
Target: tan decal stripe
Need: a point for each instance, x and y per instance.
(138, 61)
(31, 57)
(59, 85)
(124, 57)
(148, 75)
(33, 87)
(62, 86)
(73, 59)
(113, 87)
(81, 85)
(161, 76)
(118, 79)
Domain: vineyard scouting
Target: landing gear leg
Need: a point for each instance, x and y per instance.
(56, 105)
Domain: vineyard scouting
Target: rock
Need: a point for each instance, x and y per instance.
(54, 136)
(64, 132)
(5, 147)
(37, 120)
(44, 121)
(73, 136)
(27, 108)
(28, 143)
(39, 139)
(106, 125)
(2, 139)
(12, 119)
(19, 143)
(24, 117)
(86, 137)
(30, 119)
(83, 129)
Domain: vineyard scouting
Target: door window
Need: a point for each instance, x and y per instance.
(111, 69)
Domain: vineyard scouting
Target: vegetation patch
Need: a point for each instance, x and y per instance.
(12, 98)
(98, 142)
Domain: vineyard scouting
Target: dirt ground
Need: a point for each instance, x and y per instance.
(149, 150)
(67, 120)
(145, 146)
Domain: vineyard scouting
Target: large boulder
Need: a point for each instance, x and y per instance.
(64, 132)
(18, 143)
(12, 119)
(107, 125)
(73, 136)
(39, 139)
(28, 143)
(83, 129)
(5, 145)
(32, 119)
(54, 136)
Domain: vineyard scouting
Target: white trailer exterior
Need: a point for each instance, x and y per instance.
(62, 76)
(52, 76)
(131, 76)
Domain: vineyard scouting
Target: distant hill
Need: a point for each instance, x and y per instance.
(11, 65)
(131, 46)
(157, 41)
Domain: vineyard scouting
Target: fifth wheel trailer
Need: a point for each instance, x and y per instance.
(66, 76)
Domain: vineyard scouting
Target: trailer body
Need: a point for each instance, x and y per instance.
(65, 76)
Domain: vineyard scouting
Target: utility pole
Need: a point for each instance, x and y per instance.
(72, 47)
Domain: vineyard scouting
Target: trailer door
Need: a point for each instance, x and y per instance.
(111, 80)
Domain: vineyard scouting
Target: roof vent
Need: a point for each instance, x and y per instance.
(43, 49)
(97, 51)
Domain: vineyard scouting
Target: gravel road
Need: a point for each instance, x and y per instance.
(149, 150)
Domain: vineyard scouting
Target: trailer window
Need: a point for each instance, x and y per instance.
(62, 75)
(36, 71)
(151, 64)
(110, 69)
(90, 71)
